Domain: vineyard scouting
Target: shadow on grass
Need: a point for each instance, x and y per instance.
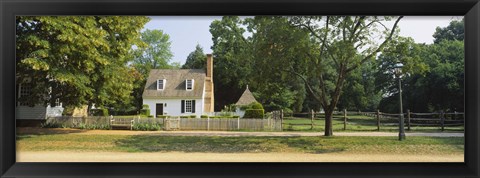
(149, 143)
(45, 131)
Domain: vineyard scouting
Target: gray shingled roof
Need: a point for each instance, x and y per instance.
(246, 98)
(175, 84)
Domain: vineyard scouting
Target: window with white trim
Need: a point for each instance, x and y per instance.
(25, 92)
(188, 106)
(189, 84)
(161, 84)
(57, 102)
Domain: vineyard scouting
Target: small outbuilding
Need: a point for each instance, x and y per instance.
(244, 100)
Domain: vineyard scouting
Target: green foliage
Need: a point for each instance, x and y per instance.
(68, 110)
(155, 54)
(83, 59)
(147, 126)
(99, 112)
(93, 126)
(145, 112)
(254, 105)
(253, 113)
(232, 59)
(163, 116)
(51, 124)
(434, 80)
(454, 31)
(204, 116)
(196, 59)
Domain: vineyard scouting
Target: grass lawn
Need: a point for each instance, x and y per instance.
(152, 143)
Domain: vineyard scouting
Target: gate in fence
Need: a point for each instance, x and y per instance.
(172, 124)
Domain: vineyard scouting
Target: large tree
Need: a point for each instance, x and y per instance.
(196, 59)
(154, 54)
(232, 60)
(454, 31)
(344, 44)
(77, 59)
(277, 46)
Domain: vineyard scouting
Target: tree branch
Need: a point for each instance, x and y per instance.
(307, 83)
(379, 48)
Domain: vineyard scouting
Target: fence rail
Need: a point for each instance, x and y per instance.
(440, 119)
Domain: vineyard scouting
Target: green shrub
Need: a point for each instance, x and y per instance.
(256, 105)
(145, 106)
(68, 111)
(93, 126)
(50, 124)
(99, 112)
(204, 116)
(147, 126)
(150, 116)
(253, 113)
(162, 116)
(145, 112)
(192, 116)
(235, 117)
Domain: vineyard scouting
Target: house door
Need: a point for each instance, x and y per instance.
(159, 109)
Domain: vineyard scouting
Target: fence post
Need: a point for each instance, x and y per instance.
(378, 120)
(281, 118)
(408, 118)
(238, 123)
(344, 119)
(442, 120)
(208, 123)
(311, 119)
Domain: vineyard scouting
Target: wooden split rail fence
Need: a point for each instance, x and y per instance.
(440, 119)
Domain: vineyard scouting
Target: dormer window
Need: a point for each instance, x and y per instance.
(189, 84)
(161, 84)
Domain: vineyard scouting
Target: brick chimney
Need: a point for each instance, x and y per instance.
(210, 66)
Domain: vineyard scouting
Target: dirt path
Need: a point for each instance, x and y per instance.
(65, 156)
(32, 130)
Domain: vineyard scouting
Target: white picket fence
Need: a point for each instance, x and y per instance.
(267, 124)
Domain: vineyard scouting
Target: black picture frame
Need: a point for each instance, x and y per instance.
(470, 9)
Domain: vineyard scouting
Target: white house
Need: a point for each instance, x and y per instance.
(28, 111)
(180, 92)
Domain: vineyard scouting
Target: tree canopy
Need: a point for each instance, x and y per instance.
(299, 63)
(196, 59)
(77, 59)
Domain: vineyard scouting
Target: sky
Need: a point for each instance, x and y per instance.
(187, 31)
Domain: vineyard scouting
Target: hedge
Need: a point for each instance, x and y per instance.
(254, 113)
(99, 112)
(145, 112)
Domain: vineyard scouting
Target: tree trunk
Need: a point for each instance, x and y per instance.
(328, 122)
(88, 108)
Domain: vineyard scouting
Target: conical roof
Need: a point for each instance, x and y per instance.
(246, 98)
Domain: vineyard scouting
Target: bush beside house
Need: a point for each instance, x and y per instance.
(253, 113)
